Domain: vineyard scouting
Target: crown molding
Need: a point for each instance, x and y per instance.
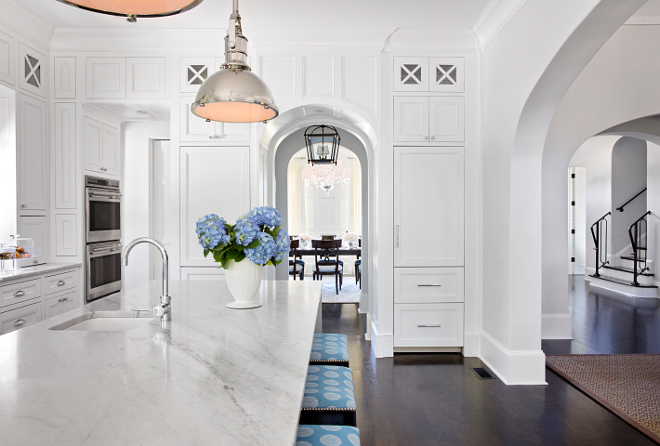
(425, 41)
(24, 23)
(494, 18)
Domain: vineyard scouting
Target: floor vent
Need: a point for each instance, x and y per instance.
(482, 373)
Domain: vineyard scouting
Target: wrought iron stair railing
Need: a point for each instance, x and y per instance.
(599, 234)
(639, 242)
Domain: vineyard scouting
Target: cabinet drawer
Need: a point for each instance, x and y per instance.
(60, 282)
(59, 303)
(428, 325)
(20, 317)
(20, 292)
(428, 285)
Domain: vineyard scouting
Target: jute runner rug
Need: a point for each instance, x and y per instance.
(628, 385)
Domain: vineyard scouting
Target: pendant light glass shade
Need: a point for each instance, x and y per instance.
(235, 93)
(135, 8)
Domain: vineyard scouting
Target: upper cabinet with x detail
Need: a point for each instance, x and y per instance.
(441, 74)
(33, 70)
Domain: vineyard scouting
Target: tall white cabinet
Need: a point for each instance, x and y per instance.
(32, 154)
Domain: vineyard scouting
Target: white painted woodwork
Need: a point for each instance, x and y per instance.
(32, 66)
(36, 228)
(213, 180)
(195, 129)
(411, 119)
(65, 78)
(447, 74)
(319, 76)
(93, 144)
(428, 325)
(19, 292)
(32, 154)
(8, 166)
(20, 318)
(105, 77)
(111, 159)
(193, 71)
(65, 155)
(205, 273)
(59, 303)
(60, 282)
(447, 118)
(66, 235)
(428, 206)
(411, 74)
(359, 82)
(279, 73)
(145, 77)
(428, 285)
(7, 48)
(102, 150)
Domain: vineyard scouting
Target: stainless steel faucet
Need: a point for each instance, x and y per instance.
(164, 309)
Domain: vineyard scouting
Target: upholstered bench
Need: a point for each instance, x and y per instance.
(328, 397)
(329, 349)
(323, 435)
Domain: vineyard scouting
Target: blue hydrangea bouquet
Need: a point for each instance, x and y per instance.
(256, 235)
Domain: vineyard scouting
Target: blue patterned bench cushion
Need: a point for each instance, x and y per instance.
(312, 435)
(329, 388)
(329, 347)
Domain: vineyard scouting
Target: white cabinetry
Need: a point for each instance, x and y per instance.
(105, 78)
(59, 303)
(7, 48)
(204, 190)
(195, 129)
(32, 66)
(437, 74)
(21, 317)
(145, 77)
(32, 154)
(428, 325)
(35, 227)
(423, 119)
(64, 78)
(102, 148)
(65, 155)
(428, 206)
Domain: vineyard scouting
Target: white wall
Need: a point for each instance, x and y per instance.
(136, 145)
(653, 203)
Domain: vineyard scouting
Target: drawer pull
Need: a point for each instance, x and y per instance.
(428, 325)
(429, 284)
(61, 283)
(19, 322)
(19, 293)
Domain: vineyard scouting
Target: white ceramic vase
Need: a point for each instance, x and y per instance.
(243, 279)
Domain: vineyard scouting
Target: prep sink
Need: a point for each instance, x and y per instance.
(105, 321)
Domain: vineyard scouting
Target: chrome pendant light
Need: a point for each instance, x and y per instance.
(235, 93)
(132, 9)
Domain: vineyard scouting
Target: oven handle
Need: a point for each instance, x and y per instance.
(111, 198)
(104, 252)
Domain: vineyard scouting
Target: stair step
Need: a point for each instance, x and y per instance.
(627, 270)
(621, 282)
(631, 258)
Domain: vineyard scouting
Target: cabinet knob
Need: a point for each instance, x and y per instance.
(19, 322)
(432, 137)
(61, 283)
(24, 205)
(61, 299)
(35, 261)
(210, 137)
(426, 138)
(64, 299)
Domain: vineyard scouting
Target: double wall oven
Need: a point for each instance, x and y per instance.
(103, 237)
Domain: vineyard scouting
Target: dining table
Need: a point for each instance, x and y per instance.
(342, 252)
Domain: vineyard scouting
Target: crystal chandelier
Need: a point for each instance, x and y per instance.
(327, 178)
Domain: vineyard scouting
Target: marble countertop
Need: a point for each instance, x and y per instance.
(215, 376)
(20, 273)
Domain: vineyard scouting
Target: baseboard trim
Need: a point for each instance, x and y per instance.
(382, 344)
(556, 326)
(367, 335)
(513, 367)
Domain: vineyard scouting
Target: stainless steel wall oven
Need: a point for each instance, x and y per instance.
(103, 210)
(103, 269)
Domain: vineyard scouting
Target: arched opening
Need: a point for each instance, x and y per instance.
(284, 138)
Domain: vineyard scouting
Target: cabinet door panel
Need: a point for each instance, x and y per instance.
(428, 206)
(447, 118)
(65, 156)
(7, 46)
(411, 119)
(33, 151)
(33, 70)
(111, 151)
(204, 191)
(194, 128)
(19, 318)
(146, 77)
(35, 228)
(410, 74)
(428, 325)
(106, 77)
(232, 132)
(65, 78)
(93, 145)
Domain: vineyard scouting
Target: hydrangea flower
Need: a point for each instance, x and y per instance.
(211, 231)
(246, 230)
(265, 215)
(283, 242)
(262, 253)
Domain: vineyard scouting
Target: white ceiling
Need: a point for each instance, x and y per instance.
(650, 9)
(327, 16)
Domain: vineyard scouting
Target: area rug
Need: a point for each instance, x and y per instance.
(628, 385)
(350, 293)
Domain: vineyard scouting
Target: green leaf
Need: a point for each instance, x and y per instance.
(206, 252)
(253, 245)
(232, 254)
(240, 257)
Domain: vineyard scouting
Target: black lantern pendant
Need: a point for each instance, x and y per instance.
(322, 144)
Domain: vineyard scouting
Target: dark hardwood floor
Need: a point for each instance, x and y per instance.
(436, 399)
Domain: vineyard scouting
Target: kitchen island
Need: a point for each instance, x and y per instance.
(211, 376)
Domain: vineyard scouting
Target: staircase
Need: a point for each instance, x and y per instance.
(633, 276)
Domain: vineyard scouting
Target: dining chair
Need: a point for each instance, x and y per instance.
(358, 269)
(326, 258)
(296, 266)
